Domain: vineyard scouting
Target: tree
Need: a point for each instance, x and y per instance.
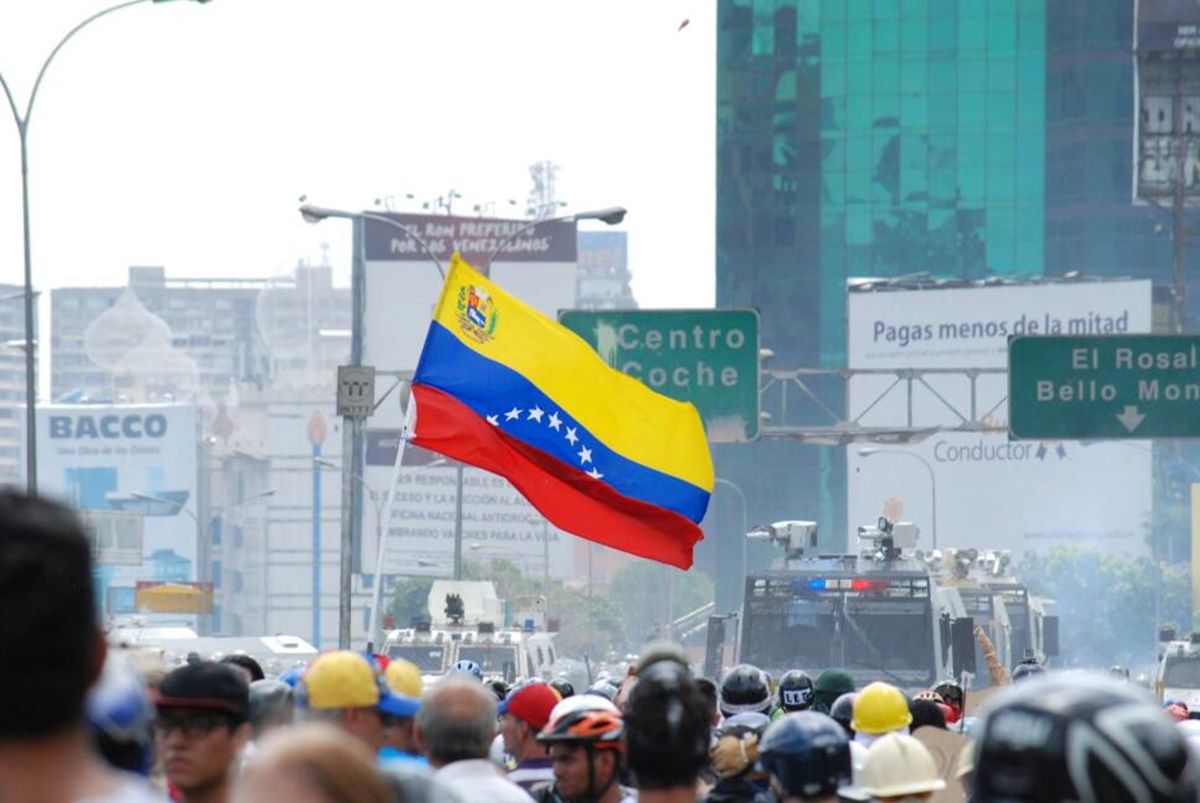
(410, 600)
(1106, 605)
(650, 594)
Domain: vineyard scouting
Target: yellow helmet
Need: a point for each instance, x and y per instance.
(880, 708)
(898, 765)
(404, 678)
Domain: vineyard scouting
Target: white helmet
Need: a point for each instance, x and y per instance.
(898, 764)
(581, 702)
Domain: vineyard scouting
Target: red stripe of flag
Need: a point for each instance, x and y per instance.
(566, 496)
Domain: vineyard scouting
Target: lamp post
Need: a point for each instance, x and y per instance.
(741, 497)
(867, 451)
(202, 532)
(610, 215)
(22, 121)
(352, 435)
(378, 501)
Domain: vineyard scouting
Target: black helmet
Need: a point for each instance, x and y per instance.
(842, 710)
(807, 755)
(271, 703)
(564, 687)
(950, 692)
(667, 727)
(1027, 669)
(795, 691)
(1080, 737)
(745, 689)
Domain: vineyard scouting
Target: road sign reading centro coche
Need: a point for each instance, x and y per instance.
(706, 357)
(1120, 386)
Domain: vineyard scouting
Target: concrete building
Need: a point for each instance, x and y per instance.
(12, 380)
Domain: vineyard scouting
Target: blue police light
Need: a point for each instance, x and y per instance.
(816, 584)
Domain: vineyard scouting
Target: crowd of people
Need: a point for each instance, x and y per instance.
(81, 721)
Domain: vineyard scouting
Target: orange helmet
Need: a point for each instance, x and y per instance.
(599, 725)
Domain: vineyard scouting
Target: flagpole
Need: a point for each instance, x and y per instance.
(380, 548)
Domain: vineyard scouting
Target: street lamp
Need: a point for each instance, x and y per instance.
(378, 501)
(742, 497)
(315, 214)
(867, 451)
(202, 532)
(609, 215)
(352, 435)
(22, 121)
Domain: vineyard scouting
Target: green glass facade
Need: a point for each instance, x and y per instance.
(959, 138)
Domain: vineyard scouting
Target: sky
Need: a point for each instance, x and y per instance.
(183, 134)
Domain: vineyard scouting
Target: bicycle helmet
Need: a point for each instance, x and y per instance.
(667, 727)
(271, 703)
(466, 667)
(795, 691)
(121, 715)
(806, 754)
(564, 687)
(1081, 737)
(744, 689)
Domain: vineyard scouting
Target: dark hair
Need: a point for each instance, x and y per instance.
(667, 727)
(926, 712)
(708, 688)
(49, 627)
(246, 662)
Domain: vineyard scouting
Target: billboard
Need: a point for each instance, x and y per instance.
(1167, 25)
(1167, 101)
(137, 459)
(537, 264)
(977, 488)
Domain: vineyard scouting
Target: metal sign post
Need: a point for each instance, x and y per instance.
(355, 401)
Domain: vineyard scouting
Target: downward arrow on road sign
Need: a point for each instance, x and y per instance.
(1131, 418)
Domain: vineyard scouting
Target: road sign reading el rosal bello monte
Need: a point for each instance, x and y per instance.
(706, 357)
(1104, 387)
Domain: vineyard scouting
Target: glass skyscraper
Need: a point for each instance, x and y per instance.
(962, 139)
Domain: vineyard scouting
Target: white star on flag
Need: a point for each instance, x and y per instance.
(536, 414)
(513, 414)
(494, 420)
(554, 421)
(572, 438)
(585, 455)
(595, 474)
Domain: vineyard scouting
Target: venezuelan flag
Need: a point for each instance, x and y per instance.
(502, 387)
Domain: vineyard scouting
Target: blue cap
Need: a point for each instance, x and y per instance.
(398, 705)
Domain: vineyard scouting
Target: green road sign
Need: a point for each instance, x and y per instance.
(706, 357)
(1104, 387)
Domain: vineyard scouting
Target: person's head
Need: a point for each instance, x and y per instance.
(842, 711)
(744, 689)
(341, 687)
(1027, 670)
(523, 715)
(667, 728)
(457, 720)
(583, 735)
(952, 695)
(54, 650)
(899, 767)
(311, 763)
(467, 668)
(709, 689)
(120, 714)
(1080, 737)
(405, 682)
(806, 755)
(927, 713)
(563, 686)
(202, 724)
(272, 705)
(830, 685)
(880, 708)
(734, 752)
(795, 691)
(246, 663)
(404, 678)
